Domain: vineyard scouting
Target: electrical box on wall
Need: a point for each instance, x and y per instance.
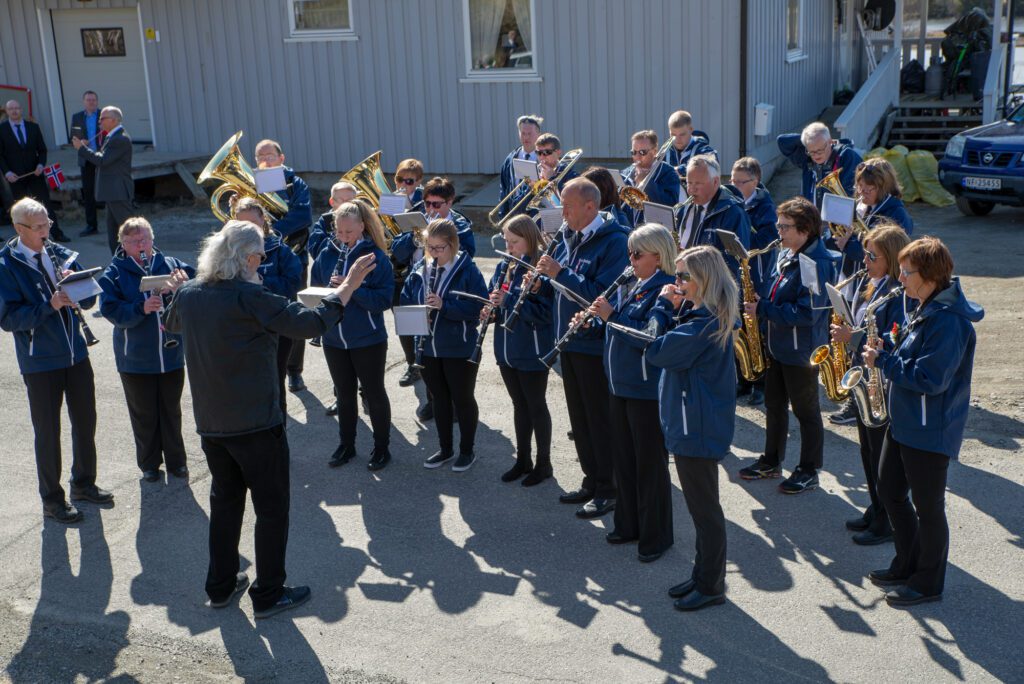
(763, 114)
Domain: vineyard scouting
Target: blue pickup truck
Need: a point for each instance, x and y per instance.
(984, 166)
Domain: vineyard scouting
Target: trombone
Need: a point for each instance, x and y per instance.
(634, 195)
(536, 191)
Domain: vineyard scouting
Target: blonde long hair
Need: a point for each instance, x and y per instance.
(361, 211)
(718, 291)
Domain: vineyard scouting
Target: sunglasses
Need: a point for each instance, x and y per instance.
(407, 181)
(639, 153)
(636, 254)
(872, 257)
(434, 205)
(683, 277)
(545, 153)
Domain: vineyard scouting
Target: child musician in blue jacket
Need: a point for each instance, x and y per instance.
(643, 510)
(697, 406)
(929, 374)
(52, 357)
(356, 348)
(444, 353)
(150, 361)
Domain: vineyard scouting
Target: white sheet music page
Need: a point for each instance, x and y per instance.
(270, 180)
(393, 203)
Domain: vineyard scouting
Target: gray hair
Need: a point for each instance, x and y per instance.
(586, 188)
(706, 162)
(224, 253)
(26, 208)
(654, 238)
(115, 112)
(814, 131)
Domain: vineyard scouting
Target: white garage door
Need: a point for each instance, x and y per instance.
(101, 50)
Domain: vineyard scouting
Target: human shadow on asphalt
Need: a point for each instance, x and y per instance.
(994, 430)
(88, 645)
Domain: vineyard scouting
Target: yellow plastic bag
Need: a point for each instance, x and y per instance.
(925, 169)
(897, 156)
(875, 153)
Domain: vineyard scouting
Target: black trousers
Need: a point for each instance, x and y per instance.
(297, 354)
(37, 188)
(354, 368)
(871, 455)
(912, 486)
(118, 212)
(46, 393)
(698, 478)
(530, 415)
(797, 386)
(255, 463)
(408, 343)
(586, 398)
(284, 348)
(453, 381)
(643, 509)
(89, 195)
(154, 407)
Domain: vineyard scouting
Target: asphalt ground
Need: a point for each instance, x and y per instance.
(436, 576)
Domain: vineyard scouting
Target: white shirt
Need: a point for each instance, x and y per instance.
(30, 256)
(523, 154)
(684, 239)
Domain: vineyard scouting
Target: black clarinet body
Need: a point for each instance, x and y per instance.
(90, 339)
(513, 316)
(507, 271)
(147, 267)
(431, 287)
(343, 250)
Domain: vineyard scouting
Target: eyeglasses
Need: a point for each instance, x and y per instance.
(544, 153)
(683, 277)
(437, 249)
(636, 254)
(872, 257)
(261, 255)
(39, 228)
(407, 181)
(905, 273)
(737, 181)
(434, 204)
(639, 153)
(137, 241)
(820, 150)
(785, 226)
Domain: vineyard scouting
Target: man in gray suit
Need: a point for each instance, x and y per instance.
(113, 162)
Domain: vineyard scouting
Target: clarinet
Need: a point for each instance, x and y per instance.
(418, 363)
(505, 278)
(146, 266)
(343, 250)
(513, 316)
(552, 356)
(90, 339)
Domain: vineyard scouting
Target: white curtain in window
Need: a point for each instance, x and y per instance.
(522, 10)
(484, 27)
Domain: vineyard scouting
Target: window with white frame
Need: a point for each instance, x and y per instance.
(794, 29)
(499, 38)
(320, 18)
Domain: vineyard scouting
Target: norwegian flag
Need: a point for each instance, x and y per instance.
(54, 176)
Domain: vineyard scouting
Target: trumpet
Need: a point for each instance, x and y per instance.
(831, 359)
(536, 191)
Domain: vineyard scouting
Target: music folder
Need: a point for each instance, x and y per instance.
(393, 203)
(312, 296)
(661, 214)
(412, 320)
(80, 284)
(839, 304)
(270, 180)
(732, 244)
(809, 274)
(837, 209)
(411, 220)
(154, 283)
(525, 168)
(550, 220)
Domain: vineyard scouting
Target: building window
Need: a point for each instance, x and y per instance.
(320, 18)
(794, 30)
(499, 40)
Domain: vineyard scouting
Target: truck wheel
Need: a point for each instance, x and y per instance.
(969, 207)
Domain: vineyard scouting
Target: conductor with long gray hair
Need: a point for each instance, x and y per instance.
(229, 325)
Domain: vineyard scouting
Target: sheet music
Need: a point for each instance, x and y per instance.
(412, 220)
(312, 296)
(412, 320)
(659, 213)
(836, 209)
(550, 220)
(393, 203)
(525, 168)
(270, 180)
(839, 304)
(809, 274)
(154, 283)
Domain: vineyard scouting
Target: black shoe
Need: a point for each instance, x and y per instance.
(905, 596)
(516, 471)
(410, 377)
(426, 412)
(860, 523)
(537, 475)
(696, 600)
(89, 230)
(649, 557)
(438, 459)
(464, 462)
(291, 598)
(571, 437)
(871, 538)
(342, 455)
(799, 481)
(63, 513)
(614, 537)
(378, 459)
(756, 397)
(92, 494)
(151, 475)
(241, 584)
(316, 342)
(595, 508)
(681, 590)
(760, 470)
(332, 410)
(295, 383)
(577, 496)
(845, 415)
(743, 388)
(58, 235)
(885, 578)
(180, 471)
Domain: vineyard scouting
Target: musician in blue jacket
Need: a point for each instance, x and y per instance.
(589, 258)
(528, 126)
(611, 203)
(929, 374)
(519, 342)
(643, 509)
(881, 261)
(550, 166)
(323, 230)
(816, 154)
(686, 144)
(697, 406)
(444, 353)
(796, 323)
(52, 357)
(658, 180)
(408, 177)
(356, 348)
(150, 361)
(879, 199)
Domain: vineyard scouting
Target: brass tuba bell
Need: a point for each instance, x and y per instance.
(229, 166)
(371, 184)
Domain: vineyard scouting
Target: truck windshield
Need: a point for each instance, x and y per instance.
(1017, 115)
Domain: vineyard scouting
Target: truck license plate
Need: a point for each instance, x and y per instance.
(983, 183)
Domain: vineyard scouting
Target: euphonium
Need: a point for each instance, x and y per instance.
(832, 184)
(831, 359)
(748, 344)
(869, 393)
(371, 184)
(229, 165)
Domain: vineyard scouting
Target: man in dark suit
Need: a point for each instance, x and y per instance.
(114, 184)
(87, 123)
(22, 158)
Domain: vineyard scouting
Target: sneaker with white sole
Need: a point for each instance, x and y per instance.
(799, 481)
(464, 462)
(438, 459)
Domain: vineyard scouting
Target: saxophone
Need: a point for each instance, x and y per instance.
(831, 359)
(869, 393)
(748, 345)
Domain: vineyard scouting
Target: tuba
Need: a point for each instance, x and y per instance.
(831, 359)
(229, 166)
(869, 393)
(832, 184)
(371, 184)
(748, 344)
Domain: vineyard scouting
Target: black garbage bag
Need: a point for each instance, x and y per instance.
(912, 77)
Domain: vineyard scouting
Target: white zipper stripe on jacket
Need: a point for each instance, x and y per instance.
(536, 341)
(686, 425)
(924, 411)
(794, 339)
(643, 364)
(611, 366)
